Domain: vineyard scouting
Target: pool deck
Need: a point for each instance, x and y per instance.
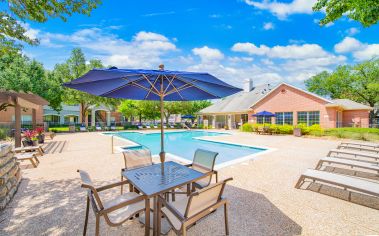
(262, 195)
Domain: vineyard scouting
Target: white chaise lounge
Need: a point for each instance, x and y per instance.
(358, 148)
(361, 144)
(356, 154)
(374, 166)
(346, 182)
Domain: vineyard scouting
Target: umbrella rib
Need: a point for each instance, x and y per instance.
(170, 82)
(151, 84)
(174, 88)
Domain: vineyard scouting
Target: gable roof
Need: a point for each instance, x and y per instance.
(239, 102)
(347, 104)
(299, 89)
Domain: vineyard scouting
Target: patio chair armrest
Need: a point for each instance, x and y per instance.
(209, 187)
(105, 187)
(123, 204)
(188, 165)
(171, 208)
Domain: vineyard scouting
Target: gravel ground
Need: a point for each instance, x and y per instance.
(263, 199)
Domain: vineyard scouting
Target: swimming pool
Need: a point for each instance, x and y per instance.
(184, 143)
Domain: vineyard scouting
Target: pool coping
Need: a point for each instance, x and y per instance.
(254, 156)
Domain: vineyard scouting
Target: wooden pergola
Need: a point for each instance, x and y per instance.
(20, 100)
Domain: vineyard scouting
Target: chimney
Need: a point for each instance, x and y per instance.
(248, 85)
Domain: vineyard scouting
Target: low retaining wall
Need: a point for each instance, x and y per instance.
(10, 174)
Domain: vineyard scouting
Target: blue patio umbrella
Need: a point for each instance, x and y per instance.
(188, 117)
(161, 85)
(265, 114)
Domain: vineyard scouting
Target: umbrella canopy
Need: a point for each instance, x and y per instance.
(162, 85)
(188, 117)
(265, 114)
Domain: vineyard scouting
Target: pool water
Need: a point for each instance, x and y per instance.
(184, 144)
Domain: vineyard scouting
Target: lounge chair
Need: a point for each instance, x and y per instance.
(36, 149)
(116, 211)
(28, 156)
(185, 212)
(155, 127)
(346, 162)
(99, 128)
(356, 154)
(358, 148)
(82, 128)
(135, 159)
(172, 127)
(361, 144)
(113, 128)
(203, 161)
(148, 126)
(140, 127)
(346, 182)
(164, 126)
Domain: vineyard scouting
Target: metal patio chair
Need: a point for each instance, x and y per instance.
(115, 211)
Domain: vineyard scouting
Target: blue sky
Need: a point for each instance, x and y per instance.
(267, 41)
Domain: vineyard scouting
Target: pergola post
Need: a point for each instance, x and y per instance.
(34, 118)
(17, 120)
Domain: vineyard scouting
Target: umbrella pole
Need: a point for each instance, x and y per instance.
(162, 154)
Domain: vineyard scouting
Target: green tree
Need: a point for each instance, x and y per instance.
(141, 109)
(364, 11)
(19, 73)
(72, 69)
(14, 12)
(359, 83)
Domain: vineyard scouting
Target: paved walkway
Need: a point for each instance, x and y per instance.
(263, 198)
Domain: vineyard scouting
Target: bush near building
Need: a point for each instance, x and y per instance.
(365, 134)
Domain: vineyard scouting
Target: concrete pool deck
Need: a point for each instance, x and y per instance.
(262, 195)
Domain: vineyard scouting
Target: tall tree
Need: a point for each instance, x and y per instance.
(19, 73)
(73, 68)
(364, 11)
(14, 12)
(359, 83)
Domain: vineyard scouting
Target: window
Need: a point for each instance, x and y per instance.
(263, 120)
(244, 118)
(284, 118)
(308, 117)
(313, 118)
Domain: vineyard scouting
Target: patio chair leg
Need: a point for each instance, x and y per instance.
(159, 220)
(86, 219)
(299, 182)
(147, 216)
(35, 158)
(33, 163)
(122, 186)
(173, 195)
(97, 232)
(184, 231)
(226, 219)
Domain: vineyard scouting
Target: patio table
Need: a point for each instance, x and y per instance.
(151, 182)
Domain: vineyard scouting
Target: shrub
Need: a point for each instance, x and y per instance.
(285, 129)
(3, 133)
(247, 127)
(130, 126)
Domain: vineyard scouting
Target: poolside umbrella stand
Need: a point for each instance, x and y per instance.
(159, 85)
(264, 114)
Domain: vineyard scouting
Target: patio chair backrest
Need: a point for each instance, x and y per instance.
(137, 158)
(204, 198)
(92, 192)
(204, 161)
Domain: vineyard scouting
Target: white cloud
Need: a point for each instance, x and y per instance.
(348, 44)
(268, 26)
(207, 54)
(282, 9)
(360, 51)
(285, 52)
(352, 31)
(145, 49)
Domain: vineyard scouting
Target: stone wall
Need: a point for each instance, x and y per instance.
(10, 174)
